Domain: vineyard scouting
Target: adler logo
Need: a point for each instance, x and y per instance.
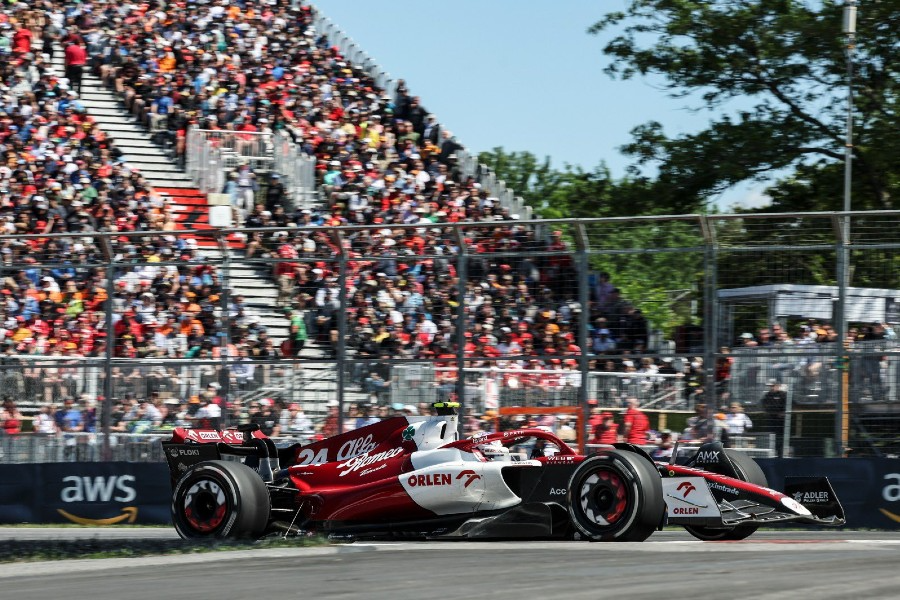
(811, 497)
(708, 456)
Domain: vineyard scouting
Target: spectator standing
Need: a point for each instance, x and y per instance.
(774, 402)
(209, 416)
(603, 291)
(606, 431)
(698, 426)
(275, 192)
(720, 430)
(737, 420)
(665, 448)
(10, 417)
(71, 418)
(43, 422)
(267, 418)
(76, 57)
(330, 425)
(365, 416)
(635, 425)
(295, 421)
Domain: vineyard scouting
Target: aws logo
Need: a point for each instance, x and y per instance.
(891, 493)
(115, 488)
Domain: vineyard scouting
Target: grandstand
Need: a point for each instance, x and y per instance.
(365, 256)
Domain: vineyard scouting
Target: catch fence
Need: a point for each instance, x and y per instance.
(673, 311)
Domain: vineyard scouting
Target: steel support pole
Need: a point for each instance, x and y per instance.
(462, 275)
(584, 299)
(341, 350)
(225, 336)
(106, 407)
(710, 326)
(842, 418)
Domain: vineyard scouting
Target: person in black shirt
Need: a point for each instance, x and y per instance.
(774, 403)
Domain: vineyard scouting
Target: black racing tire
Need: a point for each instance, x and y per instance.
(220, 499)
(749, 471)
(615, 495)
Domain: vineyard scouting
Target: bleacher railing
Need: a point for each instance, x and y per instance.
(212, 154)
(298, 172)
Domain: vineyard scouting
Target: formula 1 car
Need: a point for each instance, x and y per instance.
(413, 477)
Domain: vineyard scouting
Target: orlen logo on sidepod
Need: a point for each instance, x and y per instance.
(439, 479)
(116, 488)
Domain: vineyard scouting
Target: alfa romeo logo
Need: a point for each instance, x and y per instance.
(408, 433)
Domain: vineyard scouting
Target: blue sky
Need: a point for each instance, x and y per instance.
(520, 74)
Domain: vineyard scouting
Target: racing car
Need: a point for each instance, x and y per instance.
(414, 477)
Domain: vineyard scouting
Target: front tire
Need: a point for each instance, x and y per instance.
(615, 496)
(747, 470)
(220, 500)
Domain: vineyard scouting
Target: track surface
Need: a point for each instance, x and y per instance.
(773, 564)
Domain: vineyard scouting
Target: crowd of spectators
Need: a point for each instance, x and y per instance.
(61, 174)
(382, 161)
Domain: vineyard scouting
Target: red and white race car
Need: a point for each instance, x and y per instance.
(412, 476)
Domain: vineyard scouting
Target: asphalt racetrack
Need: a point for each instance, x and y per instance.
(771, 564)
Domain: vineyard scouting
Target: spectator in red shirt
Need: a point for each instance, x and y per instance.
(636, 424)
(607, 431)
(76, 57)
(22, 40)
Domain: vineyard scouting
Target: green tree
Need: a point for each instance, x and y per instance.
(786, 58)
(573, 191)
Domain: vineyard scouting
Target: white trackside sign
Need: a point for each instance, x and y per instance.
(688, 497)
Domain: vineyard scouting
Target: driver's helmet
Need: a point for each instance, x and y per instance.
(495, 451)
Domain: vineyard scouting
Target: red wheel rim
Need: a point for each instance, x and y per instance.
(205, 505)
(603, 497)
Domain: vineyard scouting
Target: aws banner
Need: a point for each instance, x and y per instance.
(122, 493)
(85, 493)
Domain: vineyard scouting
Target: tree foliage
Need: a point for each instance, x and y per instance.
(787, 59)
(772, 75)
(572, 191)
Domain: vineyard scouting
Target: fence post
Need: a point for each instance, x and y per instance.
(584, 298)
(224, 378)
(841, 226)
(110, 347)
(341, 349)
(462, 274)
(710, 328)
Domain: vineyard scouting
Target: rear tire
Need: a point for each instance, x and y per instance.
(220, 500)
(749, 471)
(615, 496)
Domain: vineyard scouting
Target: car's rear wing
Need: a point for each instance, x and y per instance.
(191, 446)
